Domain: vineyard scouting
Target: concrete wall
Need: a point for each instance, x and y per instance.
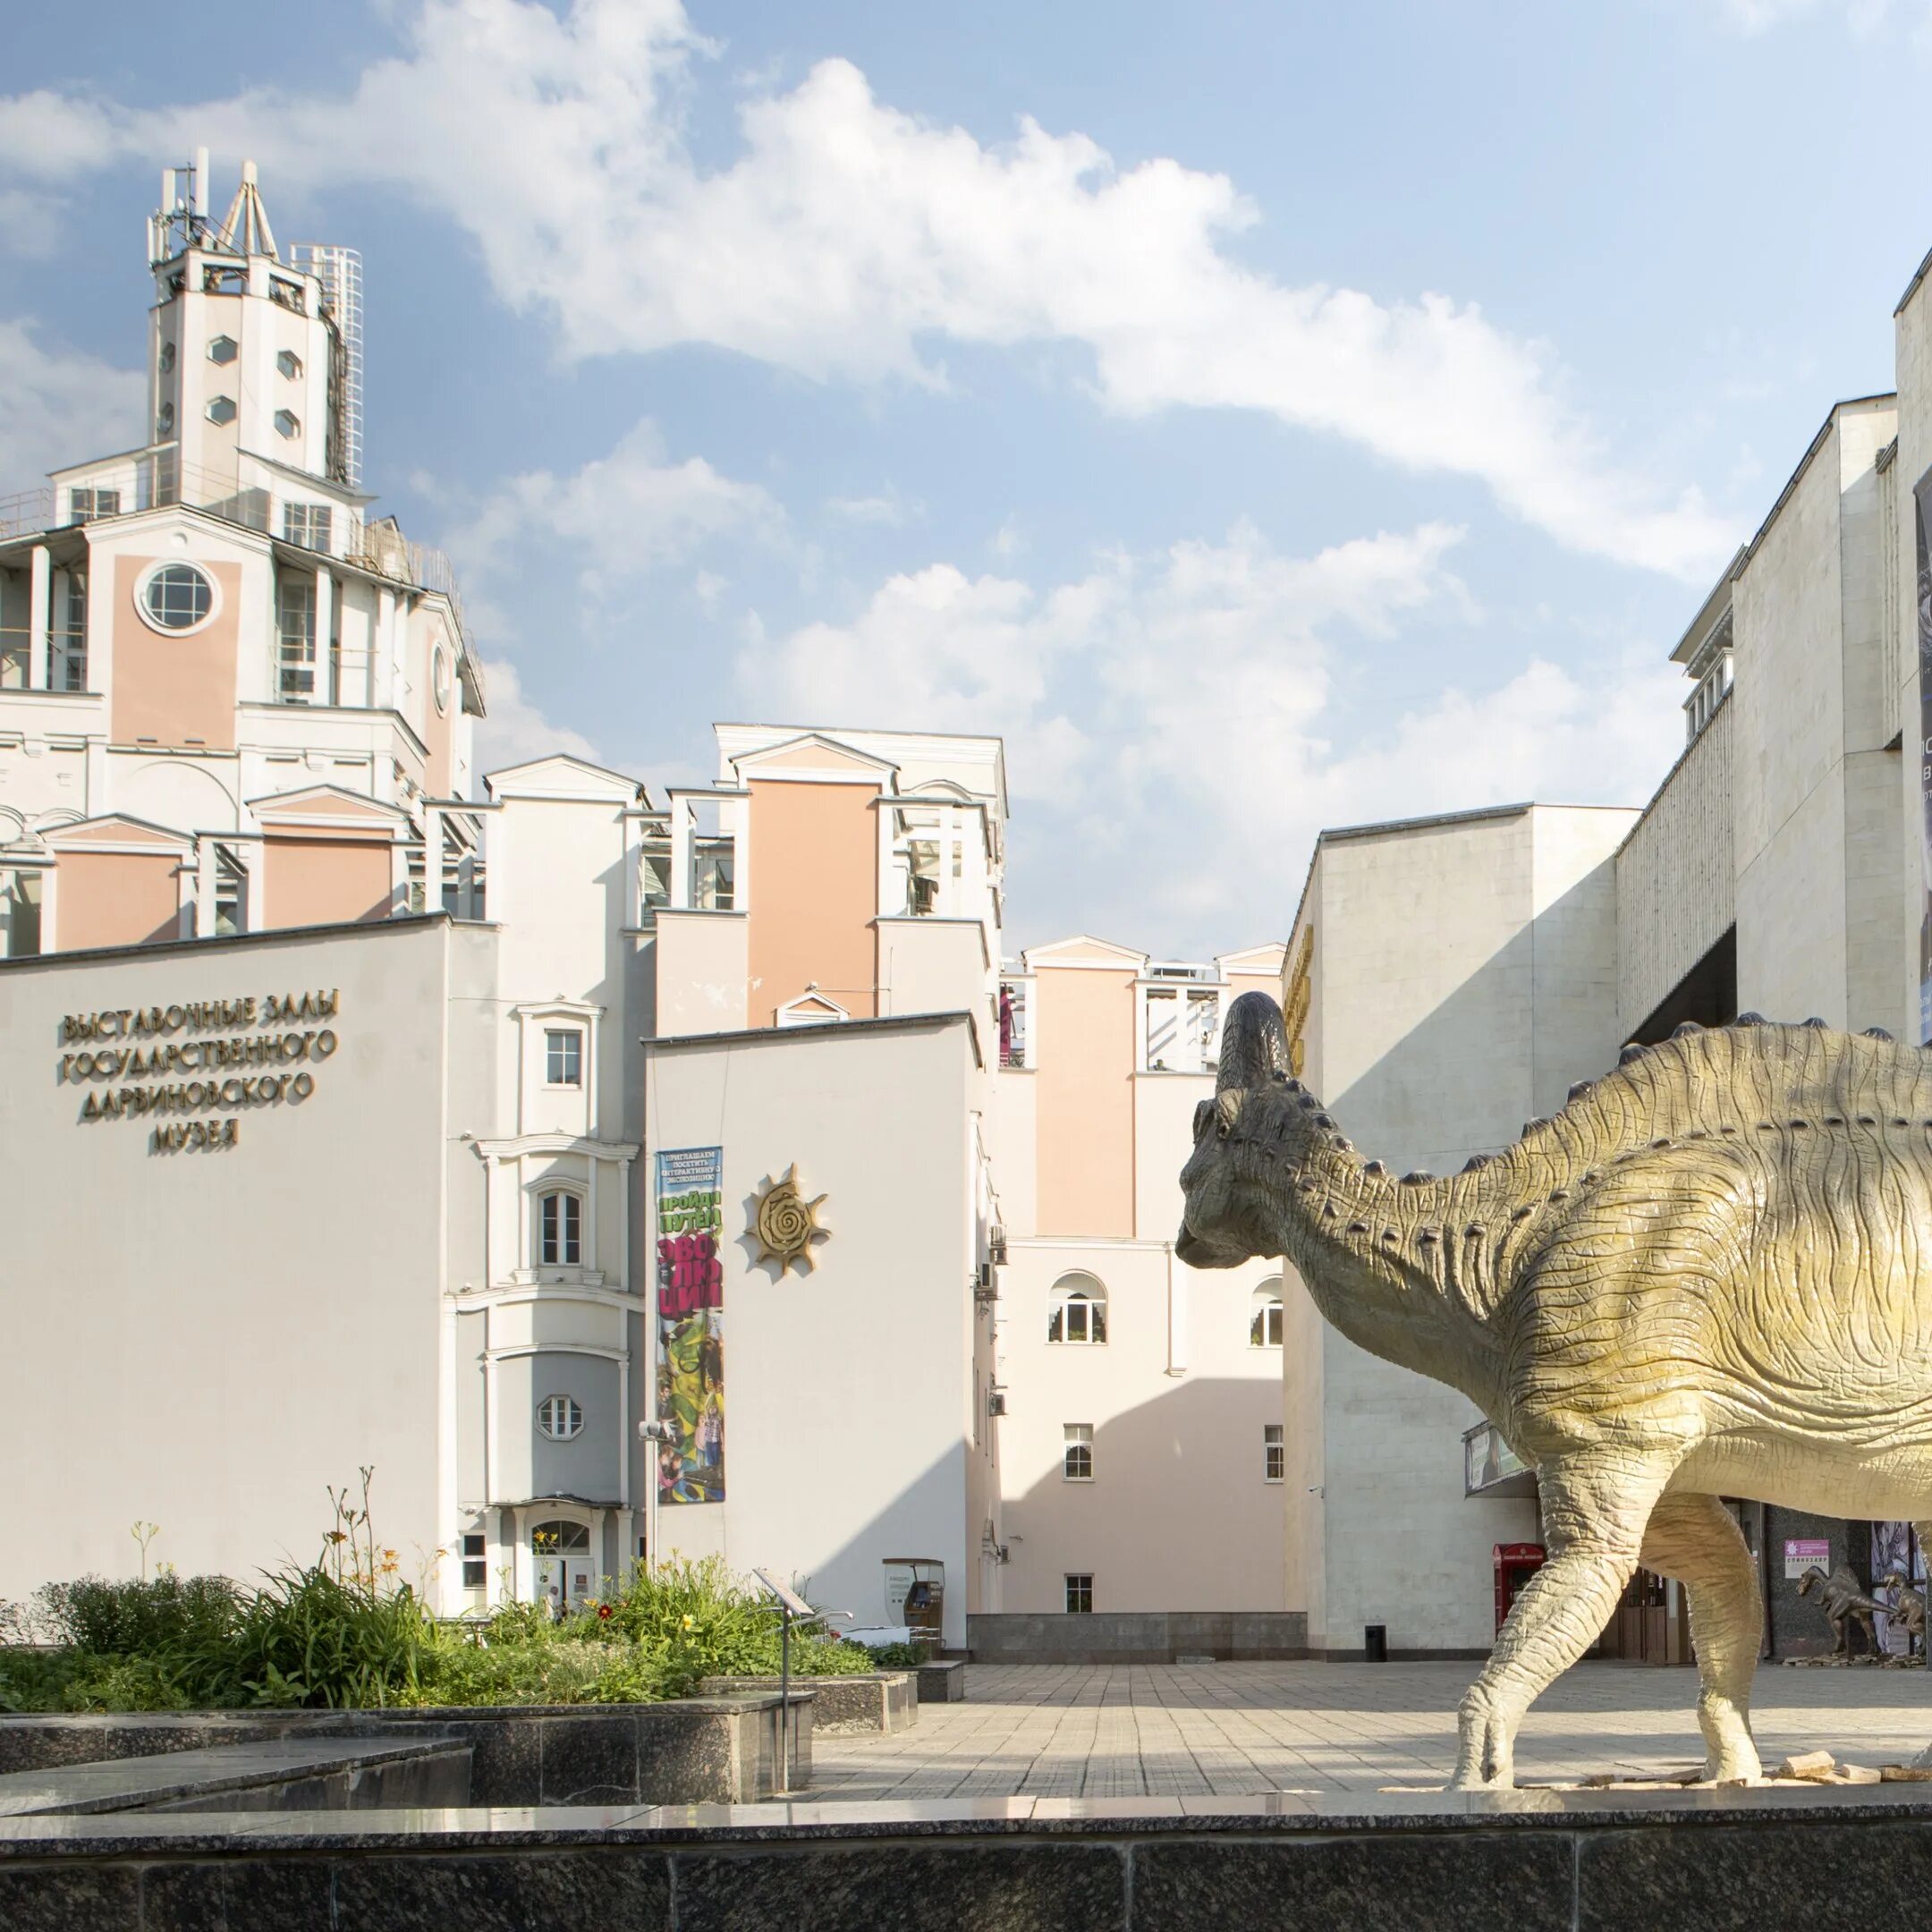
(205, 1340)
(1465, 974)
(1676, 877)
(849, 1390)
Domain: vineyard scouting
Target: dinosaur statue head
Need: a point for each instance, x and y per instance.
(1229, 1214)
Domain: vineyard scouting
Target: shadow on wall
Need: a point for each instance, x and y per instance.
(927, 1518)
(1502, 1046)
(1179, 1515)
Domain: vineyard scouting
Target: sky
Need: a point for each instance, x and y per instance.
(1262, 417)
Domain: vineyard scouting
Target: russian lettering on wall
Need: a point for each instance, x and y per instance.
(191, 1059)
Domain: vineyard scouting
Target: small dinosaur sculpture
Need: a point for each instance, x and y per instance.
(1908, 1605)
(1844, 1604)
(1709, 1276)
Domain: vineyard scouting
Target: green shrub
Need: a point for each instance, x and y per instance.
(892, 1655)
(306, 1637)
(148, 1617)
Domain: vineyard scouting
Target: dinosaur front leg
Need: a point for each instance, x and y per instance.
(1696, 1540)
(1596, 1505)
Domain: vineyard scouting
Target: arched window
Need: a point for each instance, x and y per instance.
(1265, 1315)
(1077, 1310)
(560, 1229)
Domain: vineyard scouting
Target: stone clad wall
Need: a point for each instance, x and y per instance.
(1675, 876)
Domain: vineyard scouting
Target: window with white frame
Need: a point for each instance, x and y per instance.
(84, 503)
(1076, 1454)
(1080, 1592)
(474, 1564)
(1182, 1021)
(1273, 1455)
(19, 913)
(287, 423)
(560, 1229)
(290, 364)
(559, 1418)
(295, 638)
(309, 524)
(563, 1056)
(1265, 1315)
(1076, 1311)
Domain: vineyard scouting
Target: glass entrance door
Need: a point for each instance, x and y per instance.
(562, 1573)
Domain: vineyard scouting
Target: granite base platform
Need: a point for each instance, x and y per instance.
(1529, 1862)
(694, 1750)
(878, 1701)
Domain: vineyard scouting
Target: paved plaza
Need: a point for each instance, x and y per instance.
(1181, 1731)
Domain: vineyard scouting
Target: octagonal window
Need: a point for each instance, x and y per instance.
(224, 349)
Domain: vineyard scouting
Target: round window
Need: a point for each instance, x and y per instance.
(439, 678)
(559, 1417)
(164, 419)
(167, 357)
(177, 597)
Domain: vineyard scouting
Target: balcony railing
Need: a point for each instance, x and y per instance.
(156, 476)
(63, 665)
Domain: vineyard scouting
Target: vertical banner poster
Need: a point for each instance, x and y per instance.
(690, 1324)
(1923, 582)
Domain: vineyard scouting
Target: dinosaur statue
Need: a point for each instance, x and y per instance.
(1844, 1604)
(1709, 1276)
(1908, 1605)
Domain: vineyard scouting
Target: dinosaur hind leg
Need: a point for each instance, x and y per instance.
(1696, 1540)
(1596, 1505)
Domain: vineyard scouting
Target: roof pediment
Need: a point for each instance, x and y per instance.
(560, 775)
(330, 805)
(116, 831)
(813, 755)
(1261, 962)
(1084, 950)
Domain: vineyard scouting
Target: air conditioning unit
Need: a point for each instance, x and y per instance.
(995, 1401)
(997, 1247)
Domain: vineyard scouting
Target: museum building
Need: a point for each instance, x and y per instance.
(453, 1127)
(1784, 866)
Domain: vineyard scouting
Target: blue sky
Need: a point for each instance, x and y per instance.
(1263, 416)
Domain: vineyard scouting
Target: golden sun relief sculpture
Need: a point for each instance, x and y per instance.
(786, 1224)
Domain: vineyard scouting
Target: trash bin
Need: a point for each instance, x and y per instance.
(1375, 1642)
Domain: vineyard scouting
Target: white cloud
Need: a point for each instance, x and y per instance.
(847, 237)
(59, 408)
(513, 731)
(1758, 16)
(890, 509)
(613, 521)
(1176, 712)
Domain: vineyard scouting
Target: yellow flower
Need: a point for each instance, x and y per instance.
(691, 1622)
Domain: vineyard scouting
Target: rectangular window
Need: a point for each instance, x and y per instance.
(1273, 1455)
(1080, 1593)
(19, 914)
(475, 1561)
(68, 670)
(563, 1057)
(295, 640)
(310, 525)
(85, 505)
(563, 1230)
(1077, 1456)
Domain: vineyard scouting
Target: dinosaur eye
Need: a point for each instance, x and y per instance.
(1203, 1113)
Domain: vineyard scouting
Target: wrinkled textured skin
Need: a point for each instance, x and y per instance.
(1710, 1275)
(1844, 1603)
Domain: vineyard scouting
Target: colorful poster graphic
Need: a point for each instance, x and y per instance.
(1923, 581)
(690, 1324)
